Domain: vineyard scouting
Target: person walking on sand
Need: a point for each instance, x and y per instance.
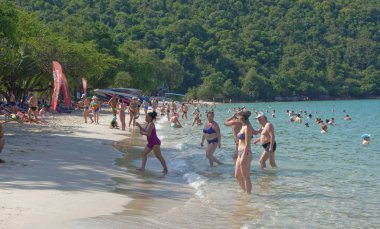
(235, 125)
(122, 107)
(154, 142)
(112, 103)
(243, 161)
(86, 108)
(95, 107)
(33, 108)
(12, 102)
(267, 140)
(211, 133)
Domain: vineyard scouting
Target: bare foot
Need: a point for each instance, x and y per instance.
(165, 171)
(140, 169)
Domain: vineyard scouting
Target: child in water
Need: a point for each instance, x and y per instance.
(324, 129)
(365, 139)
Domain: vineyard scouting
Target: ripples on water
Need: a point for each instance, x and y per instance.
(322, 181)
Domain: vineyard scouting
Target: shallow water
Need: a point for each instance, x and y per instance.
(322, 180)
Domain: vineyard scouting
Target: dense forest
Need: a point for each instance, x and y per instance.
(246, 49)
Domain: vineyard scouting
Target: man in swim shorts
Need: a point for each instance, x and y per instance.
(33, 109)
(267, 140)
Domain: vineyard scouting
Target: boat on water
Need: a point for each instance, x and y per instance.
(126, 94)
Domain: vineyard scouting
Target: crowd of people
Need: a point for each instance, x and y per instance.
(243, 131)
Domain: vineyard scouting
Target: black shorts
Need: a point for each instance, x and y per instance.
(267, 145)
(33, 108)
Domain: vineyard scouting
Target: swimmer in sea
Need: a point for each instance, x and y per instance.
(267, 140)
(211, 133)
(347, 117)
(154, 142)
(235, 125)
(298, 118)
(174, 122)
(366, 138)
(324, 128)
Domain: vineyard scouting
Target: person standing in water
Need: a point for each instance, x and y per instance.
(133, 111)
(122, 107)
(211, 133)
(236, 125)
(184, 109)
(154, 142)
(243, 162)
(267, 140)
(174, 122)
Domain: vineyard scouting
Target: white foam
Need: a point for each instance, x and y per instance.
(177, 165)
(180, 146)
(195, 181)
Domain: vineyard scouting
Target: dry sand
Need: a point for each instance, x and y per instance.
(59, 172)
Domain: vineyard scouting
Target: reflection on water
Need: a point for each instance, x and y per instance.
(322, 181)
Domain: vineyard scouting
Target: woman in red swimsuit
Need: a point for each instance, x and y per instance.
(153, 142)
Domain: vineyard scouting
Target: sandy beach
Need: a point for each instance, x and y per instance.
(59, 172)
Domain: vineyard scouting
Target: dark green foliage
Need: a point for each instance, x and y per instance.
(227, 48)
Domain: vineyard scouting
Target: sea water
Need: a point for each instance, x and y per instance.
(322, 181)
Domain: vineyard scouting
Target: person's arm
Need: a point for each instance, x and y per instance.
(203, 139)
(247, 140)
(271, 137)
(230, 121)
(217, 130)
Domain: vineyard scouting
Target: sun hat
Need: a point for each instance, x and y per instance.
(94, 97)
(83, 95)
(364, 136)
(260, 114)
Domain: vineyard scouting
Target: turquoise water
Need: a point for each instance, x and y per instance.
(322, 180)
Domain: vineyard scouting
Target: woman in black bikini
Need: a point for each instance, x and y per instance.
(211, 133)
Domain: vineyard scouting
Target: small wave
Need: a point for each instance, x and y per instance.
(195, 181)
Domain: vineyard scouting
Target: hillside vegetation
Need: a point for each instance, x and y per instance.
(251, 49)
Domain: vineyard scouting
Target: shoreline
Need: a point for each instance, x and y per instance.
(60, 172)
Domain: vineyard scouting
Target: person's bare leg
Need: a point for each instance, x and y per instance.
(272, 160)
(246, 173)
(263, 159)
(144, 157)
(157, 152)
(238, 174)
(209, 151)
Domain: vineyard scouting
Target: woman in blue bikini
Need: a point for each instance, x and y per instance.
(243, 162)
(211, 133)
